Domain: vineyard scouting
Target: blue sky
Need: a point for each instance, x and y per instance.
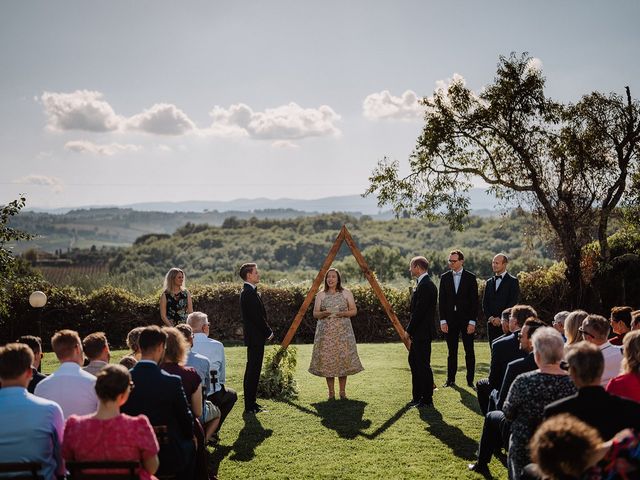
(120, 102)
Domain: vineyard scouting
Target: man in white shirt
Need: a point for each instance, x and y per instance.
(70, 387)
(595, 329)
(224, 398)
(96, 348)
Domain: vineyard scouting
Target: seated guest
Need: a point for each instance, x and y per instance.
(174, 363)
(565, 447)
(160, 396)
(132, 342)
(592, 404)
(31, 428)
(69, 386)
(521, 365)
(595, 329)
(558, 322)
(503, 351)
(109, 435)
(224, 398)
(35, 344)
(635, 320)
(531, 392)
(572, 325)
(96, 348)
(620, 323)
(496, 429)
(200, 363)
(628, 383)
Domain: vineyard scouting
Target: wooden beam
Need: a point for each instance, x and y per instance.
(373, 281)
(314, 288)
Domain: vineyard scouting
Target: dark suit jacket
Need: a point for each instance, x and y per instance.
(160, 396)
(423, 311)
(502, 352)
(35, 380)
(514, 368)
(457, 308)
(508, 294)
(254, 317)
(605, 412)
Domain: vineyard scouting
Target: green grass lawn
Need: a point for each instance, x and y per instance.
(371, 435)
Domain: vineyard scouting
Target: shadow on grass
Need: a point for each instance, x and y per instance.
(244, 448)
(461, 445)
(345, 417)
(468, 399)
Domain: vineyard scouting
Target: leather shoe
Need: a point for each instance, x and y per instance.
(478, 468)
(414, 403)
(449, 384)
(472, 386)
(425, 403)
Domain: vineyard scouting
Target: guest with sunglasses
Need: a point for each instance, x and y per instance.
(595, 329)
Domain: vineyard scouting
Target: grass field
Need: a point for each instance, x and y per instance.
(371, 435)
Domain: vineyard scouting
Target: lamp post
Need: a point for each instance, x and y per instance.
(38, 300)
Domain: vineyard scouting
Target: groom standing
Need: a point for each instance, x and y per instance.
(421, 330)
(256, 331)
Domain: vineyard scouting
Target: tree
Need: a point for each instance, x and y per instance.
(569, 163)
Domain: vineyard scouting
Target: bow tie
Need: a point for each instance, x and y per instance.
(457, 274)
(498, 277)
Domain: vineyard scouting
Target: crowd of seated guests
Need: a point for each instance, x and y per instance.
(91, 410)
(583, 383)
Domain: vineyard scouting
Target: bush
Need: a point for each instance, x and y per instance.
(277, 377)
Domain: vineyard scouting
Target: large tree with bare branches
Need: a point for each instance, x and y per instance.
(569, 163)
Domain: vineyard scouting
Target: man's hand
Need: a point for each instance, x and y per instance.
(444, 327)
(470, 329)
(495, 321)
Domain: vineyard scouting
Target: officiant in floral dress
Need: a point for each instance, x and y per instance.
(334, 346)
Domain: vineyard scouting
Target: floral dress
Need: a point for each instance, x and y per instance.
(334, 346)
(622, 461)
(177, 306)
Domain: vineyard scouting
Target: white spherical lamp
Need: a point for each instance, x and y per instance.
(37, 299)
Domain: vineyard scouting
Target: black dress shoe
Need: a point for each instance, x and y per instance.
(479, 468)
(472, 386)
(414, 403)
(449, 384)
(425, 403)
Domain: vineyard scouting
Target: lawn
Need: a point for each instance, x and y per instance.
(371, 435)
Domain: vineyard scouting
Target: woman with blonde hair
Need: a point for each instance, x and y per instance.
(627, 384)
(334, 344)
(175, 301)
(571, 325)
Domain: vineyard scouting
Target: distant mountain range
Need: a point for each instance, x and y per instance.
(481, 204)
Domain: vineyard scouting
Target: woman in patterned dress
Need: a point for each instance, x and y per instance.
(334, 345)
(175, 301)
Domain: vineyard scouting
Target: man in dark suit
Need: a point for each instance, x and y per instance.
(516, 367)
(160, 397)
(421, 331)
(592, 404)
(504, 351)
(501, 291)
(458, 300)
(256, 332)
(35, 343)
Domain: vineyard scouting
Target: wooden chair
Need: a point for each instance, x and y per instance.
(17, 467)
(162, 435)
(77, 470)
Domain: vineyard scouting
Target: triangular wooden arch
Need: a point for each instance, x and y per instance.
(344, 236)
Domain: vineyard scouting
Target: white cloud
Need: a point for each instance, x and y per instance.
(384, 105)
(84, 146)
(284, 144)
(42, 180)
(162, 119)
(79, 110)
(285, 122)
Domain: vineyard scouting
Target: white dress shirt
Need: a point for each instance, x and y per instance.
(72, 388)
(214, 351)
(612, 361)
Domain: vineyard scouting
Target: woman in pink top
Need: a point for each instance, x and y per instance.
(628, 383)
(109, 435)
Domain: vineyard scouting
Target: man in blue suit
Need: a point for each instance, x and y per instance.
(500, 292)
(160, 397)
(256, 333)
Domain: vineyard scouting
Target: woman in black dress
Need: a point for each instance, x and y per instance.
(175, 301)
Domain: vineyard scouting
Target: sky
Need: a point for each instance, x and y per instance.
(118, 102)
